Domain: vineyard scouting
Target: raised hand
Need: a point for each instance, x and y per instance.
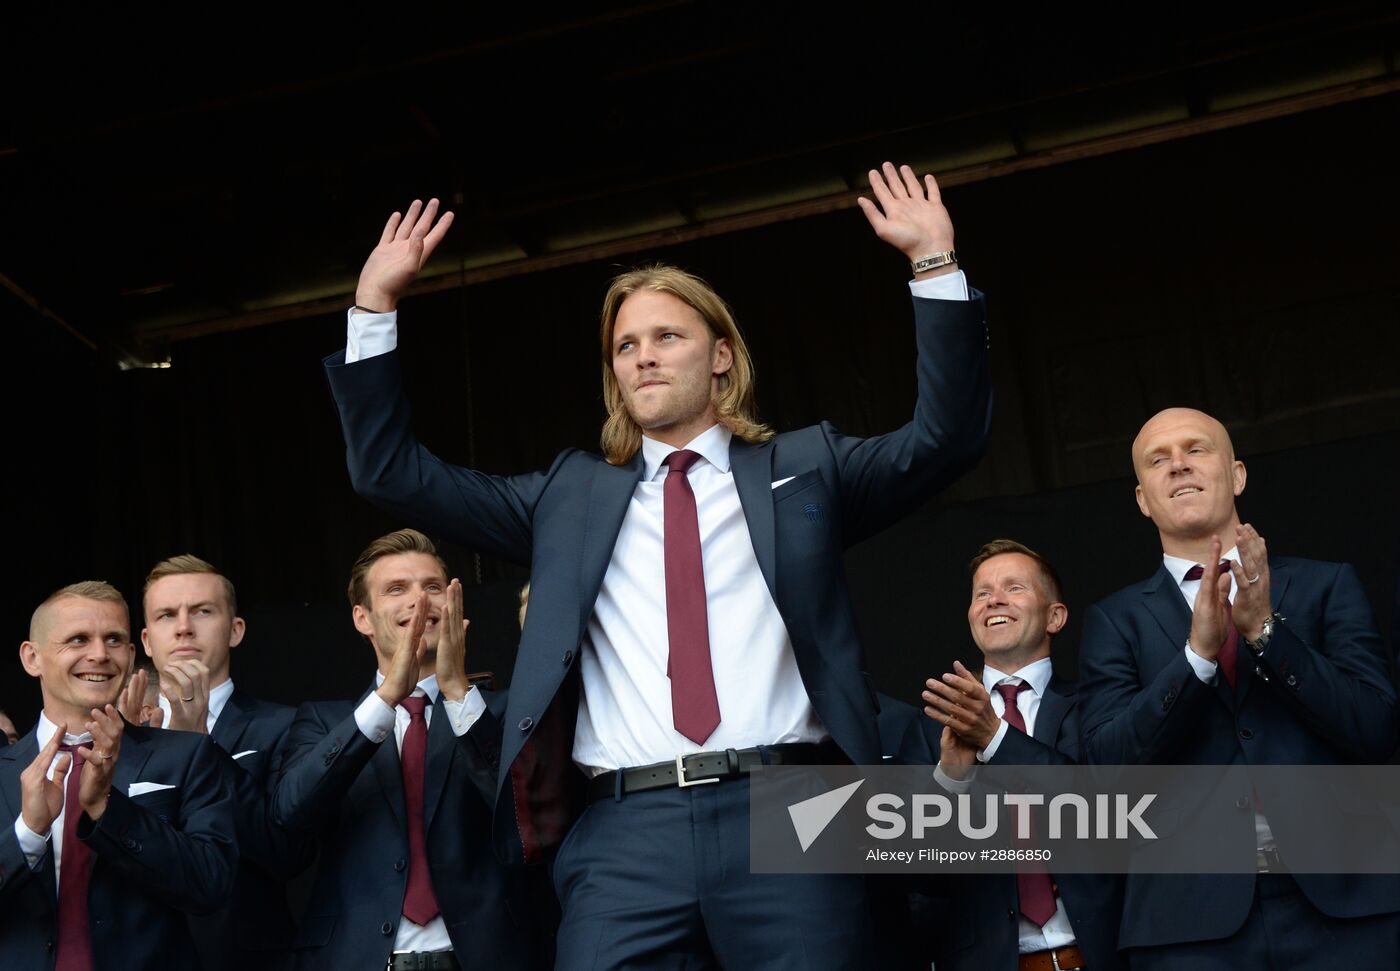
(907, 214)
(404, 246)
(41, 798)
(185, 684)
(955, 754)
(1252, 603)
(960, 702)
(133, 697)
(1211, 618)
(402, 676)
(99, 760)
(452, 646)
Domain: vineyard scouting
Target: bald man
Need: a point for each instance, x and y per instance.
(1230, 656)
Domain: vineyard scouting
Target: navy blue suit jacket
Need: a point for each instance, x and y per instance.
(983, 918)
(563, 523)
(257, 919)
(156, 857)
(346, 793)
(1321, 694)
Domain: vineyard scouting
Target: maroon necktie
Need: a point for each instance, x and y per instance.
(74, 942)
(1033, 883)
(419, 903)
(1229, 651)
(694, 704)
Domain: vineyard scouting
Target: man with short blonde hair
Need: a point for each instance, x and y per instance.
(119, 831)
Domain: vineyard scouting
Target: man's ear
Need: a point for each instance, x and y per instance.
(362, 622)
(29, 657)
(146, 641)
(1059, 616)
(1239, 475)
(723, 357)
(235, 636)
(1141, 501)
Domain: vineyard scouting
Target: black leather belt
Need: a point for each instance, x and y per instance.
(423, 961)
(702, 767)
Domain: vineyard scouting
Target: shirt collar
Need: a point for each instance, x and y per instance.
(218, 697)
(1037, 674)
(428, 686)
(712, 444)
(46, 729)
(1178, 567)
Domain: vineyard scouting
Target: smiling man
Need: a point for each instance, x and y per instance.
(119, 831)
(192, 627)
(395, 788)
(1230, 655)
(689, 615)
(1019, 712)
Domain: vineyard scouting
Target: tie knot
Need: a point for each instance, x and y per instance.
(1198, 571)
(1009, 691)
(681, 460)
(414, 705)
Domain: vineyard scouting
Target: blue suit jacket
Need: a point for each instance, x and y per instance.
(346, 793)
(983, 916)
(564, 522)
(257, 919)
(1320, 694)
(156, 857)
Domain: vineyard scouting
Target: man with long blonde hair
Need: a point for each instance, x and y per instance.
(689, 617)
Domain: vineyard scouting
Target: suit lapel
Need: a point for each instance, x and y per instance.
(232, 721)
(1053, 708)
(611, 491)
(753, 478)
(442, 743)
(1168, 607)
(388, 773)
(131, 761)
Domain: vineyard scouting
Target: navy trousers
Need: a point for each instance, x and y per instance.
(660, 880)
(1284, 931)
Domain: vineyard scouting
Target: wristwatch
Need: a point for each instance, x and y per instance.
(1266, 632)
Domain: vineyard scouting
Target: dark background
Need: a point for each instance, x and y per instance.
(182, 204)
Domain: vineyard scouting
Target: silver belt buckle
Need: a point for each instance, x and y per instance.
(681, 781)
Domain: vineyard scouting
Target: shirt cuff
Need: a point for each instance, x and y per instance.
(375, 718)
(31, 843)
(949, 286)
(1205, 670)
(370, 335)
(462, 715)
(986, 754)
(950, 784)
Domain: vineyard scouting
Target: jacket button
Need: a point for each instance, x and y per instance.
(1291, 681)
(386, 928)
(526, 723)
(568, 658)
(48, 945)
(1246, 734)
(399, 865)
(1011, 914)
(1242, 802)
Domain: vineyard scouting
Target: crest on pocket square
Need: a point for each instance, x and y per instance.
(814, 512)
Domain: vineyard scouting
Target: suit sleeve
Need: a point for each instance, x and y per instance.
(1121, 721)
(14, 865)
(190, 868)
(884, 477)
(1018, 748)
(1340, 686)
(322, 764)
(389, 467)
(260, 840)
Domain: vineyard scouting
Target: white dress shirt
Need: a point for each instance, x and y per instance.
(218, 697)
(375, 719)
(624, 716)
(1207, 670)
(35, 845)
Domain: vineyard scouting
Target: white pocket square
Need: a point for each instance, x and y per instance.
(782, 481)
(251, 751)
(142, 788)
